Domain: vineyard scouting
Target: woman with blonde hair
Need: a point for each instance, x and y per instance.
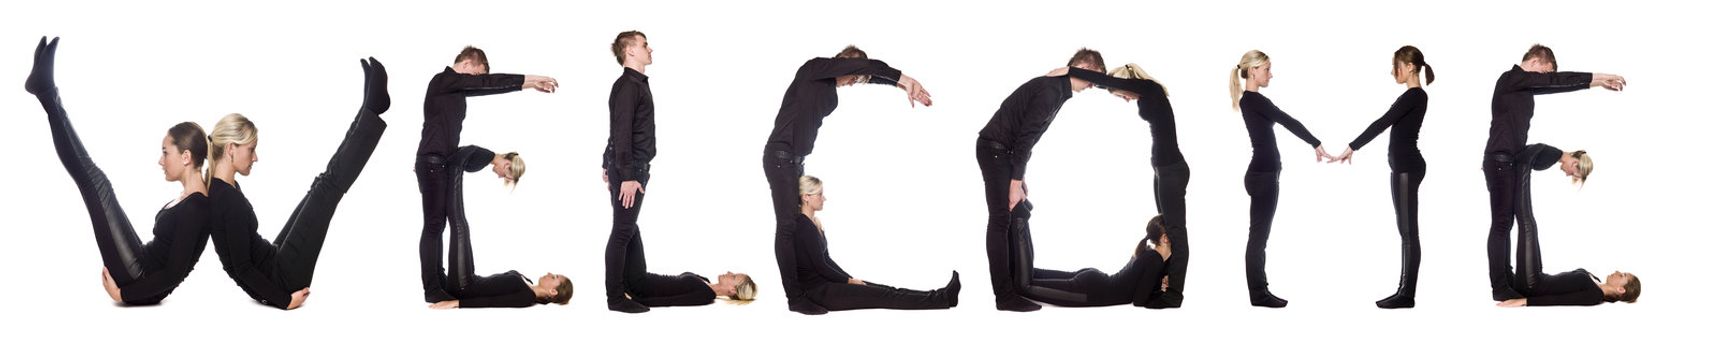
(279, 273)
(1407, 167)
(1170, 172)
(133, 272)
(831, 287)
(1261, 116)
(1573, 288)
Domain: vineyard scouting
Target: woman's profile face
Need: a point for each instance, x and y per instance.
(1260, 74)
(243, 157)
(171, 159)
(501, 169)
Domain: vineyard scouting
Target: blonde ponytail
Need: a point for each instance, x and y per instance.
(1132, 71)
(1251, 59)
(233, 129)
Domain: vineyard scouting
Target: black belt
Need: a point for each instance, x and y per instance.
(787, 156)
(992, 145)
(1504, 157)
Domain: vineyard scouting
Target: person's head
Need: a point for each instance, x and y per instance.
(1255, 67)
(631, 45)
(1155, 230)
(1539, 59)
(852, 52)
(811, 192)
(1578, 165)
(1130, 71)
(233, 142)
(738, 288)
(183, 151)
(560, 289)
(1087, 59)
(1626, 285)
(1409, 62)
(511, 168)
(471, 61)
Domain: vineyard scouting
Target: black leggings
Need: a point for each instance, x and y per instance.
(121, 251)
(1405, 195)
(462, 280)
(842, 296)
(300, 242)
(623, 260)
(1263, 187)
(1170, 186)
(1135, 282)
(782, 170)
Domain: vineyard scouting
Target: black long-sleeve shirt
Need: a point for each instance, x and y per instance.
(471, 158)
(1512, 104)
(631, 126)
(685, 289)
(1573, 288)
(181, 232)
(1153, 107)
(812, 252)
(811, 97)
(1538, 156)
(444, 105)
(245, 255)
(1024, 116)
(1403, 119)
(506, 289)
(1261, 116)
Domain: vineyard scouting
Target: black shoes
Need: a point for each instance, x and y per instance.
(1264, 298)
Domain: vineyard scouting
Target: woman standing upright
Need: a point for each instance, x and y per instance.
(1407, 167)
(1261, 116)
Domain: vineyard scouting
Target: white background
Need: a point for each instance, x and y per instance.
(906, 201)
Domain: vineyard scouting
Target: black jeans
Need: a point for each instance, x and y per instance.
(1170, 186)
(995, 167)
(1263, 187)
(434, 176)
(1505, 187)
(623, 259)
(783, 170)
(300, 242)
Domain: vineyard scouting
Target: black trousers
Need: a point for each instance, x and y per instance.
(121, 250)
(1505, 187)
(1263, 187)
(462, 280)
(995, 166)
(1135, 282)
(434, 177)
(1169, 184)
(842, 296)
(1405, 196)
(300, 243)
(623, 259)
(783, 170)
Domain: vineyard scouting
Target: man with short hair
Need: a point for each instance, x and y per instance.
(444, 117)
(1004, 146)
(1511, 114)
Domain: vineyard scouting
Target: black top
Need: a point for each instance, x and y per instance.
(811, 97)
(444, 105)
(1538, 156)
(812, 252)
(470, 158)
(1512, 104)
(1261, 116)
(631, 125)
(1024, 116)
(1153, 107)
(181, 232)
(506, 289)
(1575, 288)
(246, 256)
(1403, 119)
(685, 289)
